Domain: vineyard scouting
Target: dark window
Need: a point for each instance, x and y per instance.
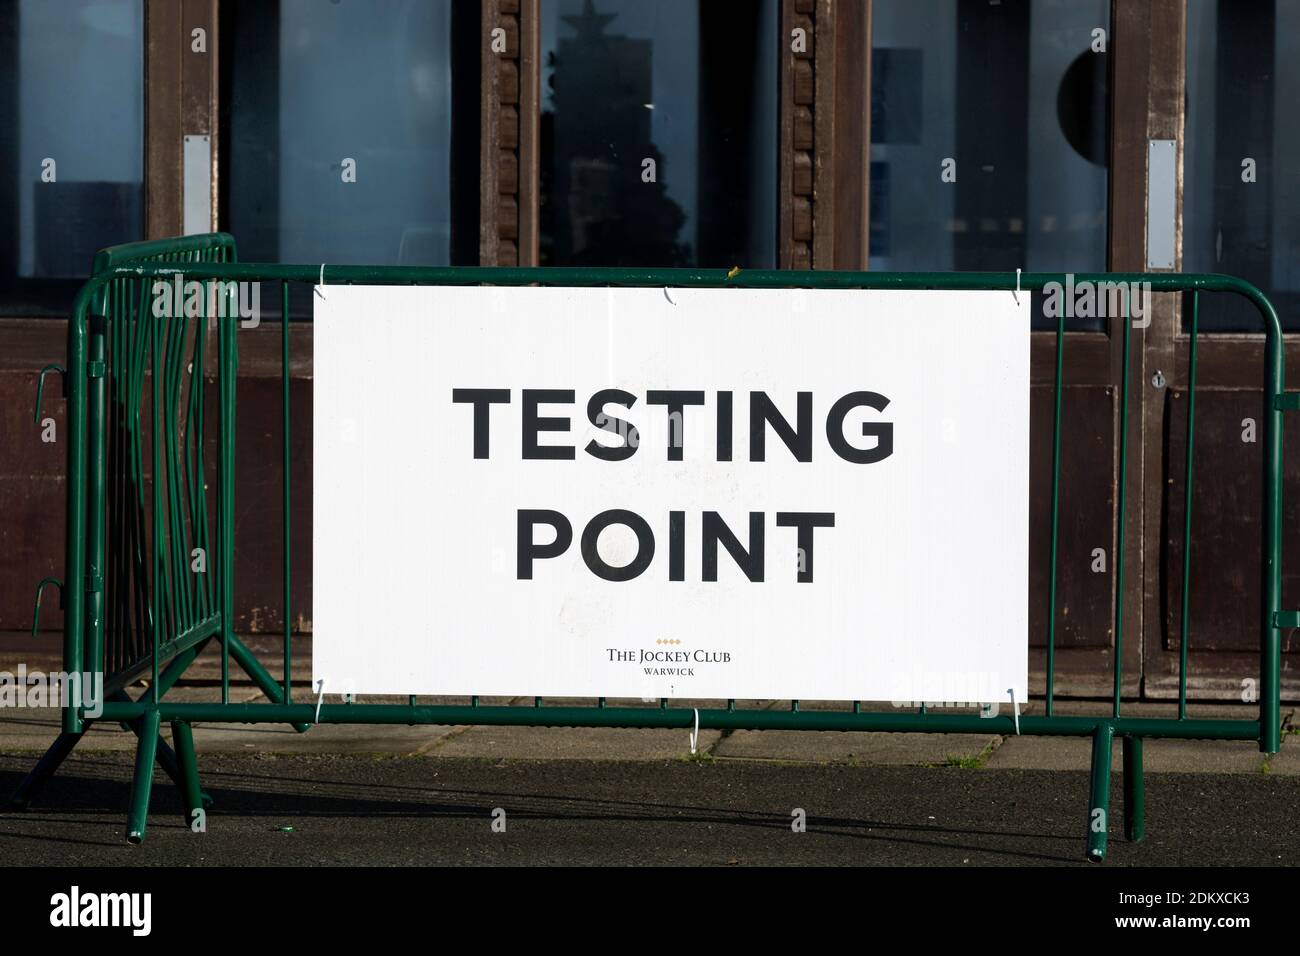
(342, 139)
(659, 136)
(71, 144)
(880, 217)
(896, 95)
(1241, 157)
(1013, 98)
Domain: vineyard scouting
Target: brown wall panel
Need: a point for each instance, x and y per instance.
(1224, 598)
(1084, 597)
(259, 581)
(32, 498)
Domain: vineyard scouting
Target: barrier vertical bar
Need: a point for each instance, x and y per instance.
(93, 582)
(1122, 511)
(1187, 514)
(178, 328)
(113, 624)
(196, 493)
(284, 362)
(1270, 646)
(226, 485)
(1056, 514)
(157, 440)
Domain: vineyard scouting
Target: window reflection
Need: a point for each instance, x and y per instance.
(71, 143)
(630, 175)
(1014, 94)
(314, 83)
(1243, 80)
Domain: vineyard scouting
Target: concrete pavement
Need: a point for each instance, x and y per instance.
(25, 730)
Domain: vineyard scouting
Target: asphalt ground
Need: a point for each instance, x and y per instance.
(326, 809)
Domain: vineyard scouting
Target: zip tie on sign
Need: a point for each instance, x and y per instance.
(695, 734)
(1015, 295)
(321, 699)
(1015, 710)
(320, 284)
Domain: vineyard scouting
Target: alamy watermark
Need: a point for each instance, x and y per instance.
(984, 690)
(75, 908)
(37, 689)
(217, 298)
(1086, 299)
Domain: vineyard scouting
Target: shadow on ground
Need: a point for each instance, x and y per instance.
(325, 809)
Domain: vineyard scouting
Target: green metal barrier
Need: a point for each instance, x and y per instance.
(144, 610)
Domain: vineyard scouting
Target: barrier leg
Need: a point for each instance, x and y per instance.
(44, 770)
(196, 801)
(142, 783)
(1099, 805)
(1134, 791)
(165, 755)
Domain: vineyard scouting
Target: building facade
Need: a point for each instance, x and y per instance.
(911, 135)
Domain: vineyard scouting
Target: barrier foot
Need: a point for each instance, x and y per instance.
(44, 770)
(259, 675)
(142, 783)
(1134, 791)
(196, 801)
(1099, 805)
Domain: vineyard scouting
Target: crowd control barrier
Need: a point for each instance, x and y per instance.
(144, 497)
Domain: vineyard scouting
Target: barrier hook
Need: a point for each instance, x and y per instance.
(40, 589)
(40, 386)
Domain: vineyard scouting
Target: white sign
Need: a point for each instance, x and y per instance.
(704, 493)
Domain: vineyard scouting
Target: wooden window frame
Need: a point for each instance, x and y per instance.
(824, 135)
(510, 121)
